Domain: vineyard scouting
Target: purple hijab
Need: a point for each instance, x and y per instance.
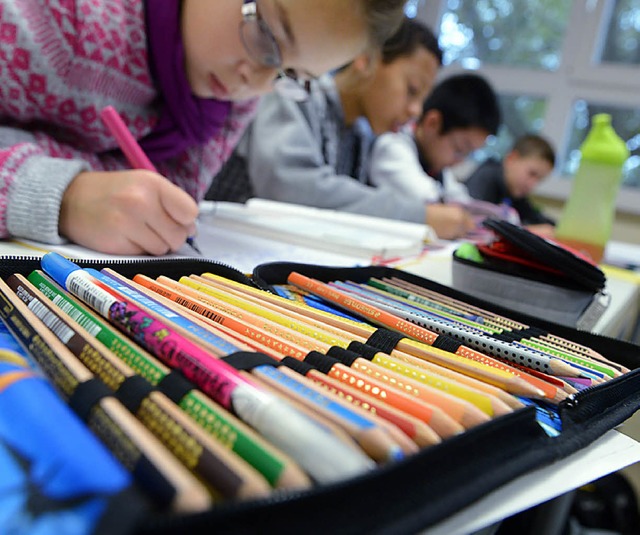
(185, 120)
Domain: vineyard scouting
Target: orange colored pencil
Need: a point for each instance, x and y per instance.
(339, 338)
(493, 372)
(441, 422)
(460, 410)
(358, 331)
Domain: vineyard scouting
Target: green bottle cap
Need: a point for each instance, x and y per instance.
(602, 144)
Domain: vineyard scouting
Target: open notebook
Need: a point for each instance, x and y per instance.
(328, 230)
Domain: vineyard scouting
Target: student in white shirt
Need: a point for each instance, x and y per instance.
(457, 117)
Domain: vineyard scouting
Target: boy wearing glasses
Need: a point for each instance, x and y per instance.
(183, 74)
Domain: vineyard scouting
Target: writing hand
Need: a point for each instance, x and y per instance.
(449, 221)
(127, 212)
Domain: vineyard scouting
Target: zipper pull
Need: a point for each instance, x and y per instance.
(571, 401)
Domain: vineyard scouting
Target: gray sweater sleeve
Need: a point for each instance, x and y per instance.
(285, 163)
(36, 189)
(36, 195)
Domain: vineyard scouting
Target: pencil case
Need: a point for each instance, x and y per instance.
(537, 276)
(423, 489)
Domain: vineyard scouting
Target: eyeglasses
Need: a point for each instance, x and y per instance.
(262, 46)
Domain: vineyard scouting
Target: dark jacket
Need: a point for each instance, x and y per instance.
(487, 184)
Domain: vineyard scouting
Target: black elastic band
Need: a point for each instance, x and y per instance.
(132, 392)
(446, 343)
(86, 396)
(343, 355)
(297, 365)
(364, 350)
(385, 340)
(175, 386)
(247, 360)
(320, 361)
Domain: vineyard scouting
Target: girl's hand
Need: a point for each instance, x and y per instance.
(127, 212)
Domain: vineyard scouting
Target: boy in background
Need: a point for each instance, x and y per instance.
(512, 180)
(457, 117)
(316, 153)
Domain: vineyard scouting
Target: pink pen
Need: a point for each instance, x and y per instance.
(130, 147)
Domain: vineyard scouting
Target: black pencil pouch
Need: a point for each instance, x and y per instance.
(423, 489)
(525, 272)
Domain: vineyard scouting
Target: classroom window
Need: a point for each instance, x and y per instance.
(622, 41)
(523, 33)
(554, 63)
(521, 114)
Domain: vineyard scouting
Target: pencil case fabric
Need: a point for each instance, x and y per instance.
(527, 273)
(500, 284)
(585, 417)
(56, 477)
(422, 489)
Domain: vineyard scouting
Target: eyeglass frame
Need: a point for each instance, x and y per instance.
(287, 82)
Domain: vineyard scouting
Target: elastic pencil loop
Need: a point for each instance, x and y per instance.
(175, 386)
(364, 350)
(320, 361)
(446, 343)
(529, 332)
(86, 396)
(385, 340)
(132, 392)
(343, 355)
(507, 336)
(247, 360)
(296, 365)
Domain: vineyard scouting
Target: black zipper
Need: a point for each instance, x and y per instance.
(595, 400)
(171, 267)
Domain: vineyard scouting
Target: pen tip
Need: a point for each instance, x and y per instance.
(192, 244)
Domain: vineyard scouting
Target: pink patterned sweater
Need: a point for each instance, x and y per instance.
(61, 62)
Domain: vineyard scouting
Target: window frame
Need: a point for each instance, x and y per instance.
(579, 77)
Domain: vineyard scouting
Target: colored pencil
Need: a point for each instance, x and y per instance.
(359, 331)
(463, 360)
(334, 337)
(311, 446)
(159, 473)
(274, 465)
(224, 472)
(286, 339)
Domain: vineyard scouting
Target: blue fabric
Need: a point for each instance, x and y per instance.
(56, 476)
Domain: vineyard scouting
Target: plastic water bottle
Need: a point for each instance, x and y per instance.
(587, 218)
